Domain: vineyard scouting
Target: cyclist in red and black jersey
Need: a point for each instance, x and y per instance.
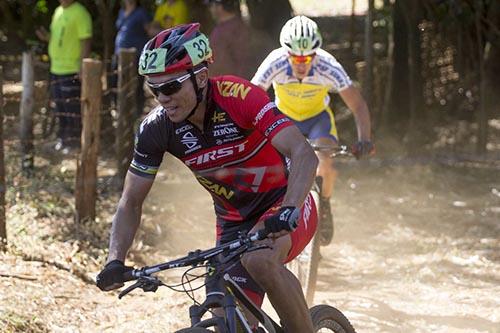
(250, 157)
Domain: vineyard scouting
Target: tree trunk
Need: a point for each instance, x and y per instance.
(3, 224)
(6, 14)
(482, 116)
(412, 12)
(368, 86)
(492, 65)
(399, 107)
(108, 27)
(386, 100)
(269, 16)
(352, 27)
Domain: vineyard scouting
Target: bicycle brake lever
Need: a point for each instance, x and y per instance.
(129, 289)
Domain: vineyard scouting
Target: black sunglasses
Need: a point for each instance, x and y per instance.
(170, 87)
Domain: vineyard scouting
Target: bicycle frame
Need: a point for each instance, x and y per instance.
(225, 300)
(232, 313)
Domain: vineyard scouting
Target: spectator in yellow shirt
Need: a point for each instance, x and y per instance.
(171, 13)
(69, 42)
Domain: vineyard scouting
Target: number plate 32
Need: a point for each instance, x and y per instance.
(152, 61)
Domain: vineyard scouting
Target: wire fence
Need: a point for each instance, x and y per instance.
(100, 115)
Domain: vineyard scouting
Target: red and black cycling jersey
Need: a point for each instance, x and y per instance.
(232, 157)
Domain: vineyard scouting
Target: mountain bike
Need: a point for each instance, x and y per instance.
(232, 300)
(305, 265)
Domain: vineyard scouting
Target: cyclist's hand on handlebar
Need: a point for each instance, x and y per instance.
(282, 222)
(111, 277)
(363, 149)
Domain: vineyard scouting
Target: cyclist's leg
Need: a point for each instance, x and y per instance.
(267, 268)
(57, 99)
(324, 133)
(228, 231)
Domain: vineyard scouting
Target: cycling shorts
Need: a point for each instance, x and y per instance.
(300, 238)
(321, 125)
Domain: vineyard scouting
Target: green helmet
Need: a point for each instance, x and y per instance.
(300, 36)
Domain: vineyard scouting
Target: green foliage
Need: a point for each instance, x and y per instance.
(41, 6)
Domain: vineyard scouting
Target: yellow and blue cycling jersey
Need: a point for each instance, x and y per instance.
(301, 100)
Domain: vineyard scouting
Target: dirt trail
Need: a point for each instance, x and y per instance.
(417, 249)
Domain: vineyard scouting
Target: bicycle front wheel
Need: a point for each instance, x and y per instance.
(305, 268)
(326, 318)
(305, 265)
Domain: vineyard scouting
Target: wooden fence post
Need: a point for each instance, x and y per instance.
(26, 113)
(86, 168)
(3, 222)
(126, 109)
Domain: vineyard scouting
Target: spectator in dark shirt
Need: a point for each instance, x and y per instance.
(134, 30)
(229, 40)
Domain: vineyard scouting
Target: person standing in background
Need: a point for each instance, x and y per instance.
(170, 14)
(134, 30)
(230, 39)
(69, 42)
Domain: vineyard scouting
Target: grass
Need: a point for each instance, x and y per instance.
(11, 322)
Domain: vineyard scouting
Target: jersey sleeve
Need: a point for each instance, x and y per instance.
(250, 106)
(84, 25)
(333, 70)
(265, 73)
(148, 148)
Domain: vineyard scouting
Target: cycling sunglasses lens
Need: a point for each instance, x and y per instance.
(166, 89)
(302, 59)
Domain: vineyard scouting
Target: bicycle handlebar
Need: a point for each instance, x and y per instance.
(197, 257)
(336, 151)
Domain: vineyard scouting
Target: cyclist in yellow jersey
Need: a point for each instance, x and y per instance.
(171, 13)
(302, 75)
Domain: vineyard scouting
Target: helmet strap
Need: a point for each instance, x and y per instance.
(198, 90)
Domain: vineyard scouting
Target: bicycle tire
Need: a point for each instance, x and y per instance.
(194, 330)
(305, 265)
(310, 283)
(328, 317)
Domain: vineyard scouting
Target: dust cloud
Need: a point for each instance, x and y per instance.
(416, 248)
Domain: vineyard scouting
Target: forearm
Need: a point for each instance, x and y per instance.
(85, 49)
(302, 170)
(363, 124)
(125, 224)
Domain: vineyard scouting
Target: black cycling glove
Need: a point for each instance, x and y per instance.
(363, 148)
(287, 218)
(111, 277)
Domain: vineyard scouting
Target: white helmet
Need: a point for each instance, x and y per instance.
(300, 36)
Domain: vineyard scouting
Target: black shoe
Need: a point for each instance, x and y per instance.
(325, 222)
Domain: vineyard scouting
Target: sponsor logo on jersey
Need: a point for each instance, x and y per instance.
(262, 112)
(307, 210)
(219, 117)
(216, 154)
(274, 125)
(190, 141)
(225, 131)
(233, 89)
(215, 188)
(228, 139)
(183, 129)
